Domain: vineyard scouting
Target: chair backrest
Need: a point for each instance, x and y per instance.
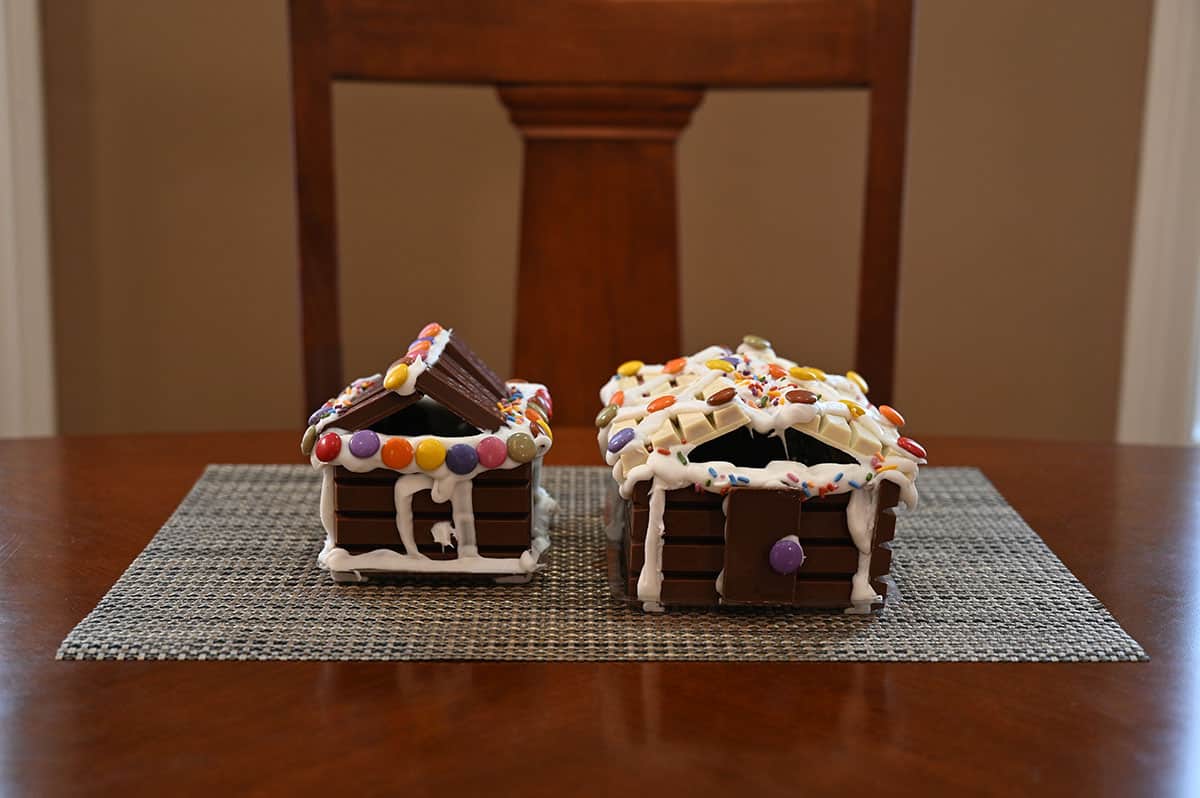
(600, 90)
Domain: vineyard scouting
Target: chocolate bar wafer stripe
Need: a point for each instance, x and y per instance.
(470, 404)
(463, 354)
(827, 561)
(378, 405)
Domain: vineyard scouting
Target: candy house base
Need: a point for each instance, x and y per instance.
(704, 543)
(365, 516)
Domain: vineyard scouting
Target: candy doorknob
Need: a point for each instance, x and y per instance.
(787, 555)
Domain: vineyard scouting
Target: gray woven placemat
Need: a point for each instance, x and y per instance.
(233, 575)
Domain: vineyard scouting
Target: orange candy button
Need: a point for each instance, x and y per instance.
(397, 453)
(776, 371)
(661, 403)
(675, 366)
(617, 399)
(533, 415)
(429, 330)
(892, 415)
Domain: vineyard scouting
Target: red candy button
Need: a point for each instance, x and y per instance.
(912, 447)
(328, 447)
(429, 330)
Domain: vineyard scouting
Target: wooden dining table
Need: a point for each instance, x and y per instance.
(74, 511)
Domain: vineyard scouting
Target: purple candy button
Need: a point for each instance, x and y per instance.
(734, 360)
(319, 414)
(620, 440)
(461, 459)
(364, 443)
(787, 555)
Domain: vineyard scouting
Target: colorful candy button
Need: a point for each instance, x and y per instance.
(606, 416)
(799, 396)
(397, 453)
(807, 373)
(521, 447)
(786, 556)
(397, 375)
(892, 415)
(630, 367)
(907, 444)
(329, 446)
(661, 403)
(756, 342)
(858, 380)
(535, 403)
(723, 396)
(429, 330)
(532, 414)
(620, 439)
(419, 346)
(855, 408)
(364, 443)
(320, 413)
(462, 458)
(308, 441)
(491, 452)
(431, 453)
(617, 399)
(540, 428)
(720, 364)
(544, 397)
(674, 366)
(776, 371)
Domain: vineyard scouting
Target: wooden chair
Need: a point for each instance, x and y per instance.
(600, 90)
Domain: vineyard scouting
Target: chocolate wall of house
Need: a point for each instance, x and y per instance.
(697, 542)
(365, 513)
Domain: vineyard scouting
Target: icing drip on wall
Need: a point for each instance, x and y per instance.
(860, 518)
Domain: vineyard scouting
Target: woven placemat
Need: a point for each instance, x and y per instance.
(233, 575)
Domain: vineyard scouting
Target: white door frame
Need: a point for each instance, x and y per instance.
(27, 400)
(1160, 373)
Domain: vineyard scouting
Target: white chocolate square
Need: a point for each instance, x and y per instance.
(665, 436)
(625, 383)
(835, 431)
(862, 441)
(684, 380)
(632, 457)
(694, 427)
(729, 416)
(623, 423)
(718, 384)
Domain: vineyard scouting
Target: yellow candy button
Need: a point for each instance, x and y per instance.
(719, 365)
(431, 453)
(630, 367)
(807, 373)
(396, 377)
(855, 409)
(858, 380)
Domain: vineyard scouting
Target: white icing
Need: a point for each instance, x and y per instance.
(760, 381)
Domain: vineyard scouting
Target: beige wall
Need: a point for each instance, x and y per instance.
(173, 235)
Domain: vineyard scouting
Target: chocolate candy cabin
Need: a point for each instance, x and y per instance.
(746, 478)
(433, 468)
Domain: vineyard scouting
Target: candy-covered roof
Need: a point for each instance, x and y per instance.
(439, 365)
(670, 409)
